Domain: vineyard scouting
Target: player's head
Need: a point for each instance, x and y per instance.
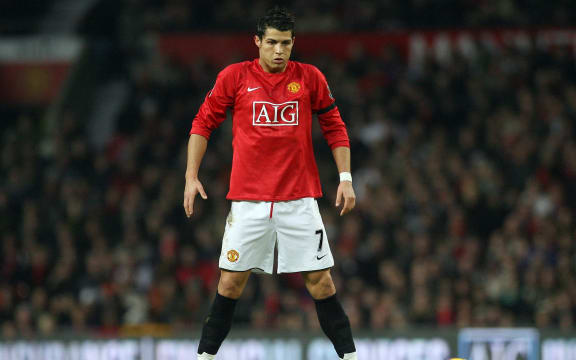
(276, 18)
(275, 38)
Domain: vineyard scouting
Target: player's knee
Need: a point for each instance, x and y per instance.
(231, 286)
(327, 288)
(229, 289)
(320, 285)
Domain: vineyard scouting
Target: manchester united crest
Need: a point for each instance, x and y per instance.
(294, 87)
(233, 256)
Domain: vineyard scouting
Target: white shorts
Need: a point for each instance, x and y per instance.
(254, 228)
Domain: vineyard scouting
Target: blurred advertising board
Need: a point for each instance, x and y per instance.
(469, 344)
(486, 344)
(33, 69)
(234, 349)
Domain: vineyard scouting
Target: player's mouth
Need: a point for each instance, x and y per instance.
(278, 61)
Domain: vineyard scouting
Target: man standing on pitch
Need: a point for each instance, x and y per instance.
(274, 179)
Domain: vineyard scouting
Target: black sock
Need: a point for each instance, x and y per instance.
(335, 324)
(217, 325)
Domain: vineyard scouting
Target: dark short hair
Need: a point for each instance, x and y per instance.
(277, 18)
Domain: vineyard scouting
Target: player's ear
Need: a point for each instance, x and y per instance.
(257, 40)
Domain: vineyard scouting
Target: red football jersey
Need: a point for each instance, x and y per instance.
(273, 156)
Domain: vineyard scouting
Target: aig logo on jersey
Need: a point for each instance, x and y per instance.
(270, 114)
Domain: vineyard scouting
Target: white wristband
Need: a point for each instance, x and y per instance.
(345, 176)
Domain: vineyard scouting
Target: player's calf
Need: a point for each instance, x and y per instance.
(331, 315)
(216, 327)
(335, 324)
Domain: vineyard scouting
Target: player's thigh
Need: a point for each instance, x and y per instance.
(302, 239)
(249, 238)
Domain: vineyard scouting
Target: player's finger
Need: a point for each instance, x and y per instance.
(189, 205)
(348, 205)
(343, 211)
(184, 204)
(186, 207)
(202, 192)
(338, 196)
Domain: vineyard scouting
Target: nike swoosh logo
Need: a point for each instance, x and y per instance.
(252, 89)
(320, 257)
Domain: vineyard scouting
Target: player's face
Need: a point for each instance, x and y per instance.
(275, 48)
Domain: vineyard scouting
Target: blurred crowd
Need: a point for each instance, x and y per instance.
(465, 174)
(352, 15)
(22, 16)
(25, 16)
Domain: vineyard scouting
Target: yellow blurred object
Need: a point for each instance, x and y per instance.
(149, 329)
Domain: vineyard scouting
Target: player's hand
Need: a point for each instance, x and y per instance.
(345, 193)
(193, 187)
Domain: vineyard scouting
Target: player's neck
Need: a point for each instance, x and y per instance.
(269, 70)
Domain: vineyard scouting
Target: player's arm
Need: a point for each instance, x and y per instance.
(345, 190)
(197, 145)
(209, 117)
(334, 131)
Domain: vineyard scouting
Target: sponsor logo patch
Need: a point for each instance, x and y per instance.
(269, 114)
